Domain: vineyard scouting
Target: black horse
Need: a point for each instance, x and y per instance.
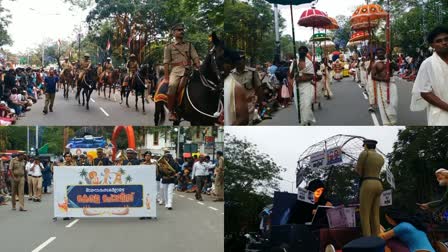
(87, 85)
(202, 103)
(137, 84)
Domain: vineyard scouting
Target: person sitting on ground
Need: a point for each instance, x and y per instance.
(408, 229)
(16, 103)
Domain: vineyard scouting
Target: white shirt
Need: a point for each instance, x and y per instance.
(28, 167)
(201, 169)
(37, 169)
(431, 77)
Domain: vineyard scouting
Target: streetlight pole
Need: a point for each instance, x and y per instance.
(178, 142)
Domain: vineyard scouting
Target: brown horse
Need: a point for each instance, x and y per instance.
(67, 80)
(110, 81)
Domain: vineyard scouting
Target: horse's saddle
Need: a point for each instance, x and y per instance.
(182, 85)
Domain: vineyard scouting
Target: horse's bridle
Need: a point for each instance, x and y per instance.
(208, 83)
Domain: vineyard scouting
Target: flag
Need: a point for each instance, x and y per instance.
(129, 41)
(108, 45)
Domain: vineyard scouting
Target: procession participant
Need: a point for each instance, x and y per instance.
(178, 57)
(370, 87)
(363, 71)
(303, 79)
(17, 167)
(66, 66)
(83, 161)
(219, 177)
(36, 173)
(250, 80)
(108, 69)
(200, 174)
(338, 66)
(368, 167)
(132, 67)
(85, 65)
(325, 68)
(101, 159)
(442, 204)
(386, 90)
(168, 175)
(148, 160)
(29, 177)
(50, 91)
(131, 155)
(68, 160)
(430, 91)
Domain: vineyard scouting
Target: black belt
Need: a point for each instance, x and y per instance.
(36, 176)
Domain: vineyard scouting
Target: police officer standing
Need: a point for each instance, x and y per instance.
(250, 80)
(131, 155)
(179, 56)
(68, 160)
(17, 168)
(101, 159)
(83, 161)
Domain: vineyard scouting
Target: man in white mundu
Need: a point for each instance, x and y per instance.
(430, 89)
(363, 71)
(386, 90)
(303, 79)
(325, 68)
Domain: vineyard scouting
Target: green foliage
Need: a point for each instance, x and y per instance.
(413, 163)
(251, 177)
(5, 18)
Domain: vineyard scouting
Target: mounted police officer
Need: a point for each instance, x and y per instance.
(85, 65)
(132, 67)
(179, 57)
(101, 160)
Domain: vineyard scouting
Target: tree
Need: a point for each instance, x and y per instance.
(251, 178)
(5, 17)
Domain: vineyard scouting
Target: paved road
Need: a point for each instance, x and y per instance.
(189, 227)
(103, 112)
(350, 107)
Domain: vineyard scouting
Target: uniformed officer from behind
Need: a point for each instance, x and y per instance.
(17, 168)
(249, 79)
(131, 155)
(178, 59)
(101, 159)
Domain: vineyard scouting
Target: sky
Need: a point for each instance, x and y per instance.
(285, 144)
(332, 7)
(34, 22)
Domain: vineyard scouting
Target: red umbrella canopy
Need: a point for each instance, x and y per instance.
(368, 12)
(336, 53)
(358, 36)
(333, 26)
(314, 18)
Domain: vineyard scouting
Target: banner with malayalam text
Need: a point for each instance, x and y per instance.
(105, 191)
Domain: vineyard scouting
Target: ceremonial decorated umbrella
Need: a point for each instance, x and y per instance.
(368, 12)
(359, 36)
(319, 37)
(316, 19)
(291, 3)
(364, 25)
(333, 26)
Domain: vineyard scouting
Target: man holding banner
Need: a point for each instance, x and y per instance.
(68, 161)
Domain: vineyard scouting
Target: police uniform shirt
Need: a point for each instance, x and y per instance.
(132, 66)
(248, 78)
(180, 52)
(131, 162)
(17, 167)
(85, 64)
(104, 161)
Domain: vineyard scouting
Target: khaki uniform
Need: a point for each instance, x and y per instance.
(132, 68)
(99, 70)
(219, 180)
(18, 182)
(369, 166)
(108, 69)
(180, 56)
(66, 66)
(250, 80)
(71, 163)
(85, 64)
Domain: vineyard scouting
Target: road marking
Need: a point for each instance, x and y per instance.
(200, 203)
(104, 111)
(365, 96)
(93, 100)
(375, 119)
(72, 223)
(181, 196)
(43, 245)
(359, 85)
(216, 209)
(190, 198)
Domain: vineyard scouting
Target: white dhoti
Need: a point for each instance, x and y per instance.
(370, 90)
(363, 76)
(306, 94)
(229, 100)
(327, 85)
(388, 110)
(160, 194)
